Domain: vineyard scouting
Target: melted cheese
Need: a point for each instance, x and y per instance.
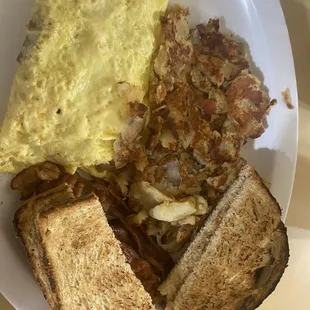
(65, 104)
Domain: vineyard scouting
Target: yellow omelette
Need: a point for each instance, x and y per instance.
(66, 105)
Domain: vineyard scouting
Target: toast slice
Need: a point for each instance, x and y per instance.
(238, 257)
(197, 247)
(85, 260)
(26, 232)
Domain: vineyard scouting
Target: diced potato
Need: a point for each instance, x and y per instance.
(146, 195)
(140, 217)
(191, 220)
(174, 211)
(202, 206)
(167, 139)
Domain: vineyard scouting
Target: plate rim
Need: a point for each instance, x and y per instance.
(284, 37)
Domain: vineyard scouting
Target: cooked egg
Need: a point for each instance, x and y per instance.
(66, 105)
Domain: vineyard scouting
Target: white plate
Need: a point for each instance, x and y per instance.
(260, 23)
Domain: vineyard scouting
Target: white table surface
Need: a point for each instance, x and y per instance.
(293, 292)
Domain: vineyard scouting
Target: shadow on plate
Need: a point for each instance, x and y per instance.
(262, 159)
(299, 212)
(8, 208)
(275, 168)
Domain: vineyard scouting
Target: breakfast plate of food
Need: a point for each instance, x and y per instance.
(147, 153)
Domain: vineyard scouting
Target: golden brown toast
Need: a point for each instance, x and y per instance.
(238, 257)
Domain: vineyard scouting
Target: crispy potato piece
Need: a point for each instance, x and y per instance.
(248, 105)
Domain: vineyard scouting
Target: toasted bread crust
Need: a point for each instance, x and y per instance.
(278, 273)
(26, 232)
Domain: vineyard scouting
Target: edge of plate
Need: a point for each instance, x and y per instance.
(282, 35)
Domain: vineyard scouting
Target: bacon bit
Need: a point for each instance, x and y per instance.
(288, 99)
